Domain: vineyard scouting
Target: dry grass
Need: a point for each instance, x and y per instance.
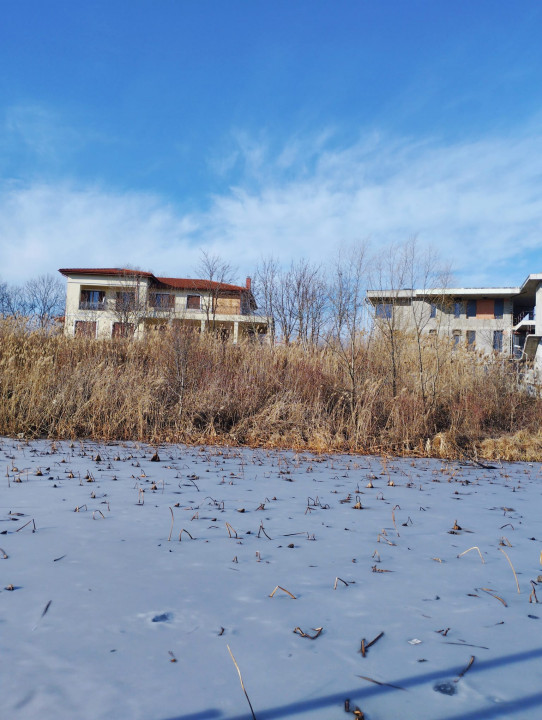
(181, 387)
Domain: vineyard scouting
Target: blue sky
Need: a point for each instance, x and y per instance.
(138, 132)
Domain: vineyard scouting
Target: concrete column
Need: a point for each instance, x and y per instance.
(538, 362)
(202, 329)
(235, 332)
(538, 310)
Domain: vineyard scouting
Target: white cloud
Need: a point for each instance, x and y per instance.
(478, 202)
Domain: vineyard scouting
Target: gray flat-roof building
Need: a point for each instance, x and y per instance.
(501, 319)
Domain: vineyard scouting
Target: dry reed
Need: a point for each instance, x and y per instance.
(182, 387)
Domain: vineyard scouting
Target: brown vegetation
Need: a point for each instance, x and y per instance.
(182, 387)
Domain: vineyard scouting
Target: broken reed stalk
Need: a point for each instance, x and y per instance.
(186, 531)
(230, 530)
(172, 521)
(490, 592)
(284, 591)
(3, 554)
(262, 529)
(97, 511)
(377, 682)
(366, 645)
(337, 580)
(533, 591)
(474, 547)
(510, 563)
(299, 631)
(28, 523)
(469, 665)
(241, 681)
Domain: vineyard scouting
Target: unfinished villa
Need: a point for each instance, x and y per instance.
(500, 319)
(117, 302)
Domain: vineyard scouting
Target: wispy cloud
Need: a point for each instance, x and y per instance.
(478, 202)
(39, 131)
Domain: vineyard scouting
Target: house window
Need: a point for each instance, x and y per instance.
(433, 312)
(126, 300)
(162, 301)
(457, 337)
(499, 309)
(84, 328)
(497, 340)
(193, 302)
(123, 330)
(92, 300)
(383, 310)
(458, 309)
(471, 338)
(471, 308)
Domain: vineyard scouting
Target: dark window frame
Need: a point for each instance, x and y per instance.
(193, 298)
(85, 328)
(162, 301)
(92, 299)
(383, 311)
(498, 337)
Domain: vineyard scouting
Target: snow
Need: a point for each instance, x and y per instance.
(109, 618)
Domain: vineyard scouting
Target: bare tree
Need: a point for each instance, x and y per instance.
(215, 273)
(411, 305)
(45, 296)
(266, 278)
(309, 300)
(388, 283)
(425, 272)
(130, 303)
(296, 298)
(348, 317)
(13, 301)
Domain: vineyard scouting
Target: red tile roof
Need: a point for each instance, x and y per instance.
(198, 284)
(179, 283)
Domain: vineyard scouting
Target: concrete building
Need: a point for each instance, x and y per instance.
(109, 302)
(501, 319)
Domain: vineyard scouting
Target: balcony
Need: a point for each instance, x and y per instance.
(524, 317)
(92, 305)
(159, 312)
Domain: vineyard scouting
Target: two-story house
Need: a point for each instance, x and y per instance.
(118, 302)
(501, 319)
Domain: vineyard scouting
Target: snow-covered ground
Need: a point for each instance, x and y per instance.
(106, 613)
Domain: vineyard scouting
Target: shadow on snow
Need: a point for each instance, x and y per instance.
(505, 708)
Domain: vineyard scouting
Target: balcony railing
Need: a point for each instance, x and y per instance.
(97, 305)
(524, 315)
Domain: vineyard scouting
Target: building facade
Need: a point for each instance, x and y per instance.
(500, 319)
(118, 302)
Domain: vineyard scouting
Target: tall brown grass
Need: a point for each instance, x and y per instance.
(182, 387)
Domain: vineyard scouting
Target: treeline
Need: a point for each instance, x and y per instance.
(341, 395)
(37, 303)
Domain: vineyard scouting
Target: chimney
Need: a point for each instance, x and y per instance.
(249, 283)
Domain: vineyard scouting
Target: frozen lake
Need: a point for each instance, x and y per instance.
(127, 577)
